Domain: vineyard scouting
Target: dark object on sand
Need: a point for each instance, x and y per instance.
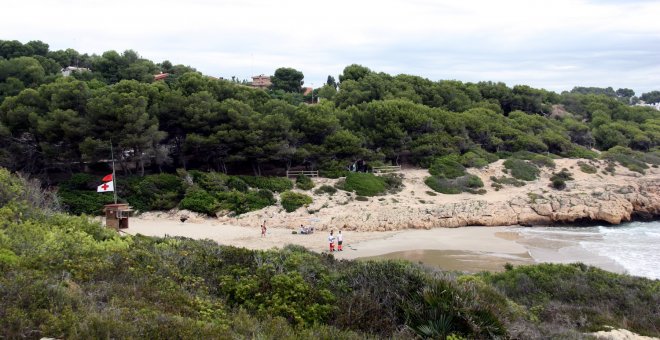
(183, 218)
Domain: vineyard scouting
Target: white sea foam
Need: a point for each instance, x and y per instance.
(635, 246)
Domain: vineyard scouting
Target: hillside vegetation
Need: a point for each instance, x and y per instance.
(67, 277)
(52, 125)
(57, 127)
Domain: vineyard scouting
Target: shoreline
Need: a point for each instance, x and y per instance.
(467, 249)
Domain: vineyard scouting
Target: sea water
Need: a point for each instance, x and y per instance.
(634, 246)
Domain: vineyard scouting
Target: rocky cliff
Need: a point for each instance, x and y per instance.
(600, 197)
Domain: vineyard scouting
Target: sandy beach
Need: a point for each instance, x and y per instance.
(419, 225)
(469, 249)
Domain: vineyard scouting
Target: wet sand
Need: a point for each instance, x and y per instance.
(458, 260)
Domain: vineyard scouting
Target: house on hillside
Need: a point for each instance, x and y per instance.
(261, 81)
(69, 69)
(161, 76)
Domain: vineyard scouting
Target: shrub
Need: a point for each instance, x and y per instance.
(472, 160)
(587, 168)
(78, 195)
(238, 184)
(274, 184)
(542, 160)
(467, 183)
(333, 169)
(633, 160)
(444, 309)
(565, 293)
(558, 183)
(559, 179)
(325, 189)
(154, 192)
(535, 158)
(474, 182)
(304, 183)
(199, 200)
(213, 181)
(581, 152)
(506, 181)
(291, 200)
(243, 202)
(443, 185)
(447, 167)
(364, 184)
(393, 182)
(521, 169)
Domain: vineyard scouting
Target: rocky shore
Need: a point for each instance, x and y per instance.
(598, 197)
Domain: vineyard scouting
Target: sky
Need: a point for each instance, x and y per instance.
(554, 45)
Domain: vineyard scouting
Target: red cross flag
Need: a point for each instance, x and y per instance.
(105, 187)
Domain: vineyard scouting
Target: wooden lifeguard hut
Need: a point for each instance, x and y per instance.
(116, 215)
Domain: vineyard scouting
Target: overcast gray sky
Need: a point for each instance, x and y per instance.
(551, 44)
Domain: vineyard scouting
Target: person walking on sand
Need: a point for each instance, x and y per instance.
(331, 240)
(340, 239)
(263, 229)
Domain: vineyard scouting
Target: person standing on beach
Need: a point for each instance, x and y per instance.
(263, 229)
(340, 239)
(331, 240)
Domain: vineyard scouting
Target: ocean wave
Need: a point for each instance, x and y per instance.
(634, 246)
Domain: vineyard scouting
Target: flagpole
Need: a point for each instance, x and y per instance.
(114, 178)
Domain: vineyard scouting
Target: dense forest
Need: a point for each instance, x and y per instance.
(51, 124)
(67, 277)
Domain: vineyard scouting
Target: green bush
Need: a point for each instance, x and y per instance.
(633, 160)
(364, 184)
(213, 181)
(393, 182)
(291, 201)
(521, 169)
(243, 202)
(587, 168)
(474, 182)
(237, 183)
(558, 183)
(507, 181)
(559, 179)
(304, 183)
(443, 185)
(565, 293)
(447, 167)
(199, 200)
(78, 195)
(441, 310)
(154, 192)
(333, 169)
(85, 202)
(543, 161)
(325, 189)
(274, 184)
(472, 160)
(581, 152)
(535, 158)
(467, 183)
(477, 156)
